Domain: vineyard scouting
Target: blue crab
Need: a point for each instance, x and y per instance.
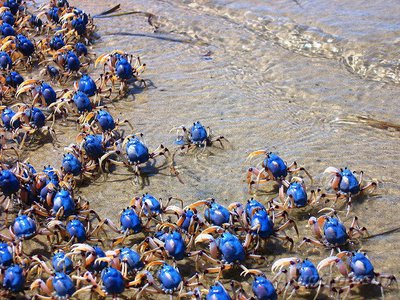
(330, 232)
(356, 269)
(346, 185)
(273, 168)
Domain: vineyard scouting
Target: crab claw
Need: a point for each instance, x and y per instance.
(55, 223)
(251, 271)
(22, 89)
(42, 13)
(203, 238)
(67, 16)
(297, 179)
(5, 45)
(196, 204)
(334, 260)
(332, 170)
(39, 283)
(155, 263)
(284, 262)
(88, 117)
(28, 82)
(330, 210)
(169, 225)
(68, 94)
(255, 153)
(182, 127)
(113, 253)
(174, 209)
(211, 229)
(67, 47)
(35, 284)
(315, 226)
(235, 205)
(89, 278)
(103, 259)
(3, 9)
(76, 248)
(102, 58)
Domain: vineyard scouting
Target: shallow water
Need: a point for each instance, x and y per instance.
(303, 81)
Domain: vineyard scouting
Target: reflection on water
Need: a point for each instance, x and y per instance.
(316, 83)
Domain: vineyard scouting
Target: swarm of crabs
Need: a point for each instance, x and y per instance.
(141, 254)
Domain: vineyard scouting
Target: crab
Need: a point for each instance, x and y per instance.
(69, 63)
(75, 164)
(49, 46)
(60, 263)
(196, 136)
(13, 280)
(6, 62)
(347, 186)
(256, 222)
(90, 150)
(9, 184)
(300, 276)
(76, 25)
(31, 24)
(88, 86)
(102, 121)
(32, 122)
(57, 286)
(189, 221)
(130, 222)
(41, 92)
(22, 50)
(6, 255)
(112, 283)
(9, 82)
(215, 213)
(92, 257)
(169, 277)
(273, 168)
(330, 232)
(6, 116)
(75, 231)
(122, 68)
(136, 154)
(63, 205)
(356, 269)
(13, 79)
(127, 260)
(13, 181)
(226, 250)
(168, 244)
(25, 227)
(296, 195)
